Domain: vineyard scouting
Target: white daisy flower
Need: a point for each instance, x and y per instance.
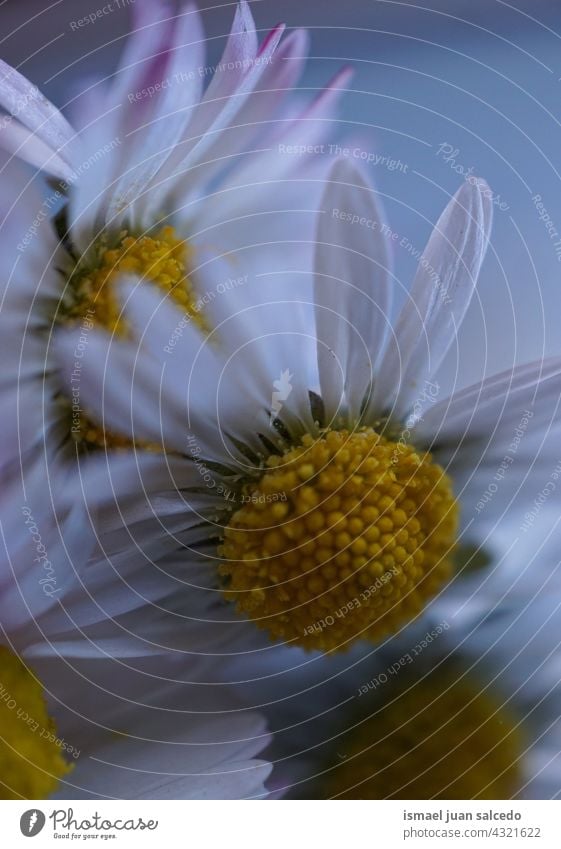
(104, 730)
(179, 194)
(163, 171)
(331, 490)
(49, 602)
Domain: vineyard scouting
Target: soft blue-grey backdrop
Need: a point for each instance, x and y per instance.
(482, 77)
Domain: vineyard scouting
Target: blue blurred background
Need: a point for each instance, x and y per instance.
(473, 84)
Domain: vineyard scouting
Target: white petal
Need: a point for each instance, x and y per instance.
(37, 115)
(120, 386)
(104, 479)
(219, 398)
(44, 547)
(441, 293)
(91, 187)
(150, 729)
(497, 401)
(17, 139)
(166, 742)
(351, 292)
(498, 441)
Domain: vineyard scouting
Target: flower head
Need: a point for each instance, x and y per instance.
(335, 519)
(162, 177)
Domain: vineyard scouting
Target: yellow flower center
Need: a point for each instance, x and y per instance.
(92, 298)
(345, 537)
(162, 259)
(441, 737)
(31, 760)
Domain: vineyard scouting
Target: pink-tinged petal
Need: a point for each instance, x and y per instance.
(306, 128)
(117, 111)
(241, 52)
(322, 107)
(242, 42)
(260, 114)
(155, 140)
(24, 101)
(351, 290)
(223, 100)
(272, 165)
(277, 81)
(288, 63)
(109, 117)
(441, 293)
(145, 51)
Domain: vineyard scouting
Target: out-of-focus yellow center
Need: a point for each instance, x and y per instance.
(346, 536)
(162, 259)
(436, 738)
(31, 761)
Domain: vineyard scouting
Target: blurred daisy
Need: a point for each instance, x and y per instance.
(108, 731)
(441, 711)
(484, 719)
(441, 735)
(331, 515)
